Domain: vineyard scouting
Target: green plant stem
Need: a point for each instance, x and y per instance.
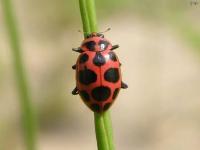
(104, 133)
(90, 7)
(103, 126)
(28, 117)
(84, 16)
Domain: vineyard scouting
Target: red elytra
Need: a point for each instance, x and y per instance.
(98, 74)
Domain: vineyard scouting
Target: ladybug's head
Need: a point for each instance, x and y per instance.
(96, 42)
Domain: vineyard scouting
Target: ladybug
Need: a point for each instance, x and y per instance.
(98, 74)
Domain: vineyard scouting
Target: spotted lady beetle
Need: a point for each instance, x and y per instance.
(98, 74)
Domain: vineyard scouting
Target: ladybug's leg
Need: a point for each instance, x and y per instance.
(79, 50)
(114, 47)
(74, 67)
(124, 85)
(75, 91)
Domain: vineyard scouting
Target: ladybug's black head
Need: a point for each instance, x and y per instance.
(95, 34)
(96, 42)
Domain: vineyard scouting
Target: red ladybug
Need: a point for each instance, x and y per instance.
(98, 74)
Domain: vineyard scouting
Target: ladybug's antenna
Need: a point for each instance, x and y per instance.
(98, 32)
(106, 30)
(81, 31)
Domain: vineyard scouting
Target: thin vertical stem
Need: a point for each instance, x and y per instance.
(90, 5)
(28, 117)
(101, 132)
(103, 126)
(84, 16)
(108, 127)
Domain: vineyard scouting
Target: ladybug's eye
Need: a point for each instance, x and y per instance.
(90, 45)
(103, 44)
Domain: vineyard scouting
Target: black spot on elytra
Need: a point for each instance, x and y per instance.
(83, 58)
(115, 93)
(103, 44)
(87, 76)
(112, 56)
(99, 59)
(95, 107)
(90, 45)
(112, 75)
(101, 93)
(106, 106)
(85, 96)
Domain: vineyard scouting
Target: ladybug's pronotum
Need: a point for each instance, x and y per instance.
(98, 75)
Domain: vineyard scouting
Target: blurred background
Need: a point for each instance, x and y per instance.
(160, 54)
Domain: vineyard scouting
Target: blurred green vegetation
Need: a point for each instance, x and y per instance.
(27, 112)
(190, 33)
